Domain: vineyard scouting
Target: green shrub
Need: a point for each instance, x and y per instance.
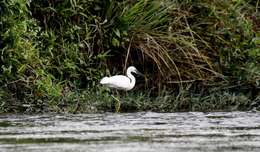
(53, 53)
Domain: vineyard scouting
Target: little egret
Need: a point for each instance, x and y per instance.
(121, 82)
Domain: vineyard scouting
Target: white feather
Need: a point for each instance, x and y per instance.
(118, 82)
(121, 82)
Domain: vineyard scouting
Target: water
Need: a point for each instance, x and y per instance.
(132, 132)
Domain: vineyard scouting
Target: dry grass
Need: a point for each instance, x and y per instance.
(167, 40)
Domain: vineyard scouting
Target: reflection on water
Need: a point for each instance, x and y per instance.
(131, 132)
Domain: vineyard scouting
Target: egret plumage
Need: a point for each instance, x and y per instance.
(121, 82)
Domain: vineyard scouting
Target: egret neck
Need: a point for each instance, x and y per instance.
(131, 77)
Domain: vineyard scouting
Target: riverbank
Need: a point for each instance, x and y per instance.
(196, 56)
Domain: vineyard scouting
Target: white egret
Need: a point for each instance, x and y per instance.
(121, 82)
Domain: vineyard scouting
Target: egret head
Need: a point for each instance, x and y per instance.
(134, 70)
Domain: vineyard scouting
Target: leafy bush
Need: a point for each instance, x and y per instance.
(53, 53)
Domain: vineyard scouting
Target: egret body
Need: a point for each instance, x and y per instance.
(121, 82)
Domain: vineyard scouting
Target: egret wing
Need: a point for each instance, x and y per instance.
(118, 82)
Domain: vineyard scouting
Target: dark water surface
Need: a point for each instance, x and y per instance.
(132, 132)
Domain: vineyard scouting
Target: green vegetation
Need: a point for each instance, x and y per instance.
(196, 55)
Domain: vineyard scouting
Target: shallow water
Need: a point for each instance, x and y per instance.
(132, 132)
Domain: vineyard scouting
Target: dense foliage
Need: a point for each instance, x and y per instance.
(196, 55)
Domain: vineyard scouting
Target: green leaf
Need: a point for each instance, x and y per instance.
(115, 42)
(117, 32)
(256, 40)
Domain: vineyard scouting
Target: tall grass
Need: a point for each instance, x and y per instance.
(53, 53)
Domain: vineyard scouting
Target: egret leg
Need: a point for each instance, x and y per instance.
(118, 104)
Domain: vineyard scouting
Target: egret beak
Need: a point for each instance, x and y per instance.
(139, 73)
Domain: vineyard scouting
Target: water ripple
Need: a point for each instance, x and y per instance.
(144, 131)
